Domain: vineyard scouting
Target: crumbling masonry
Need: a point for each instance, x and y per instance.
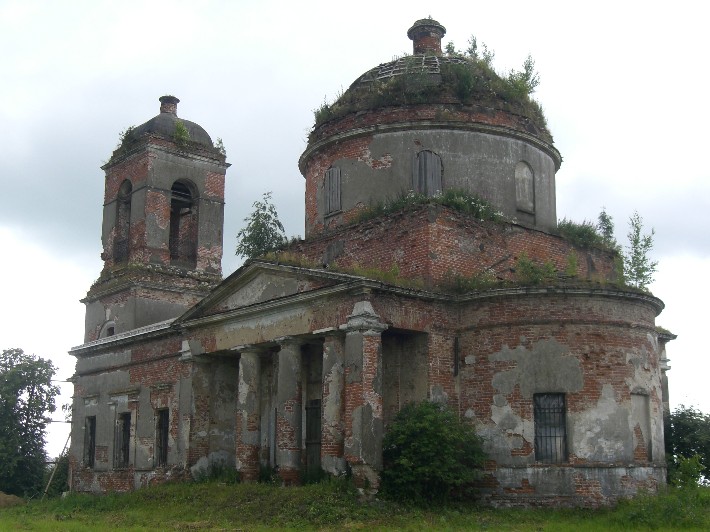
(299, 364)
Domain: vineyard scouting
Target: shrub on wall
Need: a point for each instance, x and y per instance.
(429, 455)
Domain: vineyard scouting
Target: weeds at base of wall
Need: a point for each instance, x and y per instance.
(313, 476)
(334, 504)
(458, 200)
(217, 472)
(673, 508)
(269, 475)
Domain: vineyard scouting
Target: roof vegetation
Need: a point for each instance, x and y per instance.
(454, 78)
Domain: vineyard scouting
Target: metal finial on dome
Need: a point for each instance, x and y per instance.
(427, 34)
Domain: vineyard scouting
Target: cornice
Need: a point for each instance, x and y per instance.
(413, 125)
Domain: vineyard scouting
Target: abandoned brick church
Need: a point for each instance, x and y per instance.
(300, 363)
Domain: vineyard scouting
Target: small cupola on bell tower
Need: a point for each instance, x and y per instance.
(162, 224)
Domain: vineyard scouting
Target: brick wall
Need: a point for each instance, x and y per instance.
(431, 243)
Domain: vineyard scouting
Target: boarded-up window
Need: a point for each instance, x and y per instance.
(162, 429)
(524, 187)
(89, 441)
(428, 170)
(550, 428)
(332, 190)
(123, 440)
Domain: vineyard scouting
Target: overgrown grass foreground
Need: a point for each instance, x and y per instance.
(334, 505)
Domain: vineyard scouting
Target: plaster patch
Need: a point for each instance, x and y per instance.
(545, 366)
(602, 432)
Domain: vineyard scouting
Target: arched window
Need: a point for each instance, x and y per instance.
(427, 173)
(183, 224)
(121, 240)
(524, 188)
(332, 190)
(107, 329)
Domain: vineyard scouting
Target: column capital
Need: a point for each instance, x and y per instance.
(364, 319)
(247, 348)
(285, 341)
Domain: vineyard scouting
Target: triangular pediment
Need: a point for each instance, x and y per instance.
(259, 282)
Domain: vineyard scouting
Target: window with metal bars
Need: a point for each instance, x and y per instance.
(550, 428)
(89, 441)
(162, 429)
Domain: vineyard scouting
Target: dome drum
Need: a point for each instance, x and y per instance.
(383, 165)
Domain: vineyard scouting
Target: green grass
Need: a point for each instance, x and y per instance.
(333, 505)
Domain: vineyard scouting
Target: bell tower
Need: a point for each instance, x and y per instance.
(162, 225)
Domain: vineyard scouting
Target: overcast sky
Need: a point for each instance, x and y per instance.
(623, 84)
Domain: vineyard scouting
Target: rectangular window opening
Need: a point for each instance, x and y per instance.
(162, 431)
(89, 441)
(332, 190)
(123, 440)
(550, 428)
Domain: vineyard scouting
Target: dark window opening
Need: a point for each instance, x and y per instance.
(183, 225)
(332, 190)
(121, 246)
(162, 431)
(123, 440)
(107, 329)
(428, 174)
(550, 428)
(89, 441)
(313, 435)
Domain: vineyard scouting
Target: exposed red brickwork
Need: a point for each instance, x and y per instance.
(214, 186)
(429, 112)
(332, 431)
(431, 243)
(428, 43)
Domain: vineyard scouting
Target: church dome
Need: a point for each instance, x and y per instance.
(467, 84)
(430, 123)
(164, 124)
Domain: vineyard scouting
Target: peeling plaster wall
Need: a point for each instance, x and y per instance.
(600, 350)
(600, 353)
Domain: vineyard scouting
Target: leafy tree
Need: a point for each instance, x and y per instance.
(687, 436)
(429, 454)
(263, 232)
(486, 54)
(605, 227)
(58, 474)
(638, 268)
(472, 49)
(26, 395)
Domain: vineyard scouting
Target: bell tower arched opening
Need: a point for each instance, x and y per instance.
(121, 241)
(183, 224)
